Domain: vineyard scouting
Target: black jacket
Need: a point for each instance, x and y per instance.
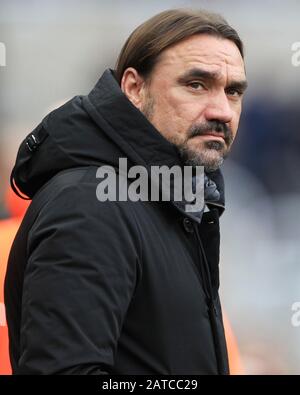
(111, 287)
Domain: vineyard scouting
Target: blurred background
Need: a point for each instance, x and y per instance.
(57, 49)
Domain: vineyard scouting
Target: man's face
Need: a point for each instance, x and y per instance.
(194, 97)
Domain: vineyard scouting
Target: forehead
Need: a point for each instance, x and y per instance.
(210, 53)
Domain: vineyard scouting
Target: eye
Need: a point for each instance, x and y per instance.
(196, 85)
(234, 92)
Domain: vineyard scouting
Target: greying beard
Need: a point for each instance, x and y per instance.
(192, 158)
(189, 156)
(148, 108)
(213, 153)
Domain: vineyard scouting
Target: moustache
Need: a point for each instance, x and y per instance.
(212, 126)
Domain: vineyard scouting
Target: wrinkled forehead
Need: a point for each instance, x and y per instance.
(218, 55)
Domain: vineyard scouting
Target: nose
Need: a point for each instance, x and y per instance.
(218, 108)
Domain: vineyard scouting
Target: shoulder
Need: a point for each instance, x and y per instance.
(71, 196)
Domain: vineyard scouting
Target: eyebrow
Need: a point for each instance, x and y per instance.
(212, 76)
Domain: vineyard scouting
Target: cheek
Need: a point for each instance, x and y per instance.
(169, 111)
(179, 110)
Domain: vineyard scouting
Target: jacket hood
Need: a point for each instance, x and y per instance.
(89, 131)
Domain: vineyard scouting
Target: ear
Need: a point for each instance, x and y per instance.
(132, 85)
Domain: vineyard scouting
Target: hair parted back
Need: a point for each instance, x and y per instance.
(147, 41)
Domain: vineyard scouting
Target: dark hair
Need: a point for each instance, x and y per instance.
(147, 41)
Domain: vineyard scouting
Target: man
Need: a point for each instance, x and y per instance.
(126, 287)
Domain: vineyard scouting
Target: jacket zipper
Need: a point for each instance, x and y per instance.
(212, 311)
